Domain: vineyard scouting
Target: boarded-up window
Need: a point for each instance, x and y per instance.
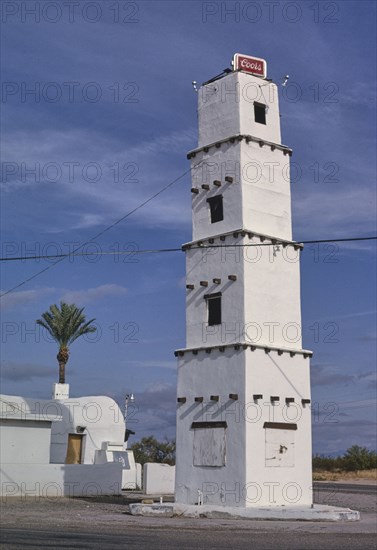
(280, 445)
(209, 443)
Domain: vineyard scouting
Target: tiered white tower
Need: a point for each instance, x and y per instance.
(243, 401)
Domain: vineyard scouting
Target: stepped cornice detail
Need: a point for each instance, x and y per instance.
(237, 138)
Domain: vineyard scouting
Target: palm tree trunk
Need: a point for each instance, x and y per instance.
(62, 358)
(61, 372)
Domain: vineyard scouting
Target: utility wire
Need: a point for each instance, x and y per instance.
(61, 259)
(94, 253)
(162, 250)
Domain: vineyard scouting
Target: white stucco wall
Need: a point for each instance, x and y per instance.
(58, 480)
(204, 375)
(25, 431)
(285, 377)
(262, 306)
(259, 197)
(245, 479)
(272, 297)
(226, 108)
(205, 265)
(250, 444)
(158, 479)
(126, 459)
(25, 442)
(131, 475)
(34, 439)
(101, 417)
(216, 164)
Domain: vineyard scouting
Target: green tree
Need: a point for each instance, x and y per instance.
(359, 458)
(65, 325)
(151, 450)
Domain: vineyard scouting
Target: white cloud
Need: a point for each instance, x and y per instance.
(326, 375)
(340, 433)
(332, 213)
(90, 295)
(365, 403)
(24, 297)
(348, 316)
(90, 220)
(155, 363)
(359, 93)
(126, 177)
(83, 296)
(25, 372)
(159, 387)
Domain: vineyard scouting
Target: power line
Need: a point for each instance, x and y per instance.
(96, 253)
(197, 247)
(61, 259)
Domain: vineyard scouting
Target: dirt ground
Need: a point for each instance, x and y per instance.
(369, 476)
(109, 513)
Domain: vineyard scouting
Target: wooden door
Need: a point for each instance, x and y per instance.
(74, 449)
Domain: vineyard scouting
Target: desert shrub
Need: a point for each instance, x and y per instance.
(355, 458)
(359, 458)
(327, 463)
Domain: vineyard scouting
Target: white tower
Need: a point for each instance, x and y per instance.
(243, 401)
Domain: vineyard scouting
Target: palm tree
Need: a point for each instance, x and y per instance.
(65, 325)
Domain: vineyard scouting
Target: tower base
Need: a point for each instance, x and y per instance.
(319, 512)
(60, 391)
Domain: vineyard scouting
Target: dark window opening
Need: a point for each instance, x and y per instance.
(260, 113)
(216, 208)
(214, 308)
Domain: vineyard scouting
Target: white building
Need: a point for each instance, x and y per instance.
(67, 447)
(243, 411)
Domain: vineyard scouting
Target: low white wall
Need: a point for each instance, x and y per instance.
(129, 475)
(132, 479)
(139, 476)
(58, 480)
(158, 479)
(129, 479)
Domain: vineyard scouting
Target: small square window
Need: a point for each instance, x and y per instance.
(260, 113)
(216, 208)
(214, 308)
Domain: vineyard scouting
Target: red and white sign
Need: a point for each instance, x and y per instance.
(248, 64)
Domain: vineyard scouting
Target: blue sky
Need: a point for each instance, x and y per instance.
(111, 118)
